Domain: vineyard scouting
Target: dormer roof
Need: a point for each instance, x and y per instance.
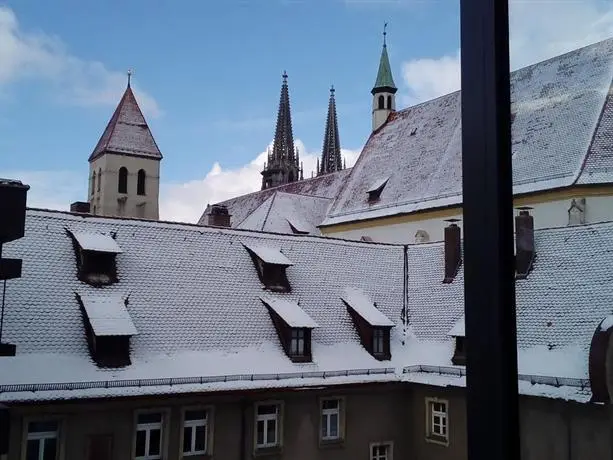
(127, 133)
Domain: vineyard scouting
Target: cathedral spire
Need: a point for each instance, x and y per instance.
(331, 160)
(283, 162)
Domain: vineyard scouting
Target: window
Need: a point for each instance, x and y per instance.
(330, 419)
(148, 445)
(437, 423)
(140, 183)
(381, 451)
(93, 182)
(99, 178)
(42, 441)
(195, 427)
(297, 342)
(381, 103)
(122, 183)
(389, 102)
(267, 426)
(378, 341)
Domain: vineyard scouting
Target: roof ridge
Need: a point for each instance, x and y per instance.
(103, 143)
(274, 195)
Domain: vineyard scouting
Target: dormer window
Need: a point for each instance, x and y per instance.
(271, 265)
(293, 326)
(372, 325)
(374, 191)
(108, 327)
(96, 253)
(458, 334)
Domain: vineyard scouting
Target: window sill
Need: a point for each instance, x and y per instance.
(265, 451)
(440, 440)
(197, 456)
(331, 443)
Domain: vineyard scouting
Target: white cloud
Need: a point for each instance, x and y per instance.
(37, 56)
(186, 202)
(539, 30)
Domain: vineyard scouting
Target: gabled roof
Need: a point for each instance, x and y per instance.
(127, 133)
(420, 147)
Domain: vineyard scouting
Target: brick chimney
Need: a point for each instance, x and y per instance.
(453, 250)
(219, 216)
(524, 242)
(12, 227)
(80, 207)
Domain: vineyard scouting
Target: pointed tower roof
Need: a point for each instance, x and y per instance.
(331, 160)
(385, 80)
(127, 133)
(283, 147)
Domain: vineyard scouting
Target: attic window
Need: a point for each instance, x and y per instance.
(374, 191)
(372, 326)
(299, 227)
(271, 265)
(96, 253)
(108, 327)
(293, 326)
(413, 131)
(457, 332)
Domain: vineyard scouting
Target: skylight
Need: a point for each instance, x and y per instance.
(107, 315)
(98, 242)
(363, 306)
(290, 312)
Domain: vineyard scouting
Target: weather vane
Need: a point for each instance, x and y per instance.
(129, 76)
(384, 32)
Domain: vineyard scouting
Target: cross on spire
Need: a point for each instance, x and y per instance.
(384, 33)
(129, 76)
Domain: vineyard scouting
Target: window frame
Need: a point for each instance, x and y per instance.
(378, 337)
(122, 184)
(44, 419)
(210, 420)
(340, 411)
(301, 338)
(268, 447)
(165, 413)
(389, 454)
(141, 182)
(431, 436)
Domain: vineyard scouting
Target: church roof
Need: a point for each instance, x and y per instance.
(191, 318)
(127, 132)
(562, 111)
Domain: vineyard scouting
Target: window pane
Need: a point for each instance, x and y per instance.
(195, 415)
(140, 443)
(260, 432)
(50, 449)
(150, 418)
(38, 427)
(267, 409)
(187, 439)
(324, 426)
(154, 442)
(330, 404)
(271, 432)
(32, 449)
(200, 438)
(334, 425)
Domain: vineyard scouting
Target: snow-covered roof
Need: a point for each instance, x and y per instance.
(107, 314)
(363, 306)
(269, 255)
(377, 184)
(458, 329)
(98, 242)
(127, 132)
(420, 147)
(290, 312)
(190, 308)
(282, 211)
(326, 186)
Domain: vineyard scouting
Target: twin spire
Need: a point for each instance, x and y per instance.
(331, 160)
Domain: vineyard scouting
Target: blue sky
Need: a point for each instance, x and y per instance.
(208, 76)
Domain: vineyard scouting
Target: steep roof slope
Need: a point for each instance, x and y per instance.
(127, 132)
(420, 148)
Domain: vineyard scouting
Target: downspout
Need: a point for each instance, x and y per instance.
(405, 291)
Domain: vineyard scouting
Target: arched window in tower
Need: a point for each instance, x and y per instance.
(93, 182)
(99, 178)
(381, 102)
(140, 184)
(389, 102)
(122, 184)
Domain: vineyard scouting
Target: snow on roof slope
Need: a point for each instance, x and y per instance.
(326, 186)
(108, 315)
(290, 312)
(458, 329)
(566, 94)
(190, 308)
(281, 210)
(269, 255)
(364, 307)
(98, 242)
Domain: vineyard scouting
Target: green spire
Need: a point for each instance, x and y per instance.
(385, 81)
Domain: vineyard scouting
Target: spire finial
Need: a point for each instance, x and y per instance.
(332, 90)
(284, 77)
(384, 34)
(129, 76)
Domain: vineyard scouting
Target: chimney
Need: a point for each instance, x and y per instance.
(81, 207)
(12, 227)
(524, 242)
(219, 216)
(453, 250)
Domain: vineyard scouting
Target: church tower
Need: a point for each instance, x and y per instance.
(283, 164)
(331, 160)
(124, 168)
(384, 91)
